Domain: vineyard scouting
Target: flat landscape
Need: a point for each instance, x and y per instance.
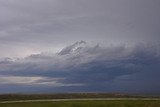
(77, 100)
(79, 53)
(93, 103)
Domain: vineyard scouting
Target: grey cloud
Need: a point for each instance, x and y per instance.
(32, 81)
(91, 65)
(30, 27)
(72, 48)
(37, 25)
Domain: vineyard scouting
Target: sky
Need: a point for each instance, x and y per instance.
(79, 46)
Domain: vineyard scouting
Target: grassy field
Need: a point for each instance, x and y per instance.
(114, 103)
(15, 97)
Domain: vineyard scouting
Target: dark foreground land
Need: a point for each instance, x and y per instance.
(77, 100)
(15, 97)
(102, 103)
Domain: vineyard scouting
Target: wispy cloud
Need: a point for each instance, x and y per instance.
(33, 81)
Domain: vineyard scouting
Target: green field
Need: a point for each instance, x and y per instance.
(107, 103)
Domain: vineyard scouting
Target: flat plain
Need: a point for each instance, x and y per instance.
(77, 100)
(89, 103)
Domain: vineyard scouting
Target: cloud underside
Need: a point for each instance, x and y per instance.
(88, 67)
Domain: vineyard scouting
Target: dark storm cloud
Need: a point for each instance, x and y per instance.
(45, 25)
(32, 33)
(87, 67)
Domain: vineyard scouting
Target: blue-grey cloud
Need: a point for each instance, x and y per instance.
(33, 33)
(88, 67)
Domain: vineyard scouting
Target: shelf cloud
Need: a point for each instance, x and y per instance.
(86, 65)
(79, 46)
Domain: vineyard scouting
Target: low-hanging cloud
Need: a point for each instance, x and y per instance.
(86, 65)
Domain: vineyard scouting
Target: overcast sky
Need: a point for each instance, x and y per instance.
(33, 26)
(59, 42)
